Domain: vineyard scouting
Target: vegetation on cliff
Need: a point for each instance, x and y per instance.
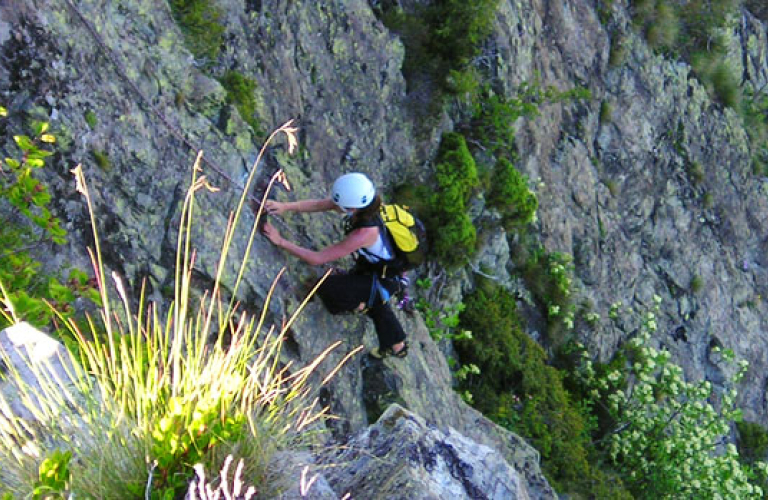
(151, 392)
(29, 229)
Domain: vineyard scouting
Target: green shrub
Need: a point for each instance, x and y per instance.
(441, 39)
(725, 84)
(752, 442)
(102, 160)
(548, 275)
(517, 389)
(455, 166)
(451, 228)
(199, 22)
(457, 28)
(618, 53)
(493, 120)
(455, 240)
(30, 226)
(663, 29)
(510, 194)
(240, 93)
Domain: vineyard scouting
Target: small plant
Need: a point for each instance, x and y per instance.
(102, 160)
(493, 120)
(613, 187)
(199, 22)
(726, 85)
(663, 30)
(54, 476)
(696, 172)
(549, 277)
(203, 490)
(606, 112)
(592, 318)
(443, 324)
(618, 53)
(707, 200)
(30, 226)
(510, 194)
(240, 93)
(90, 119)
(456, 178)
(697, 283)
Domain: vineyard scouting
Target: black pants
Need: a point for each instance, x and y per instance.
(344, 292)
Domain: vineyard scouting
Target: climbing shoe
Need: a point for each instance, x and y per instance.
(406, 304)
(380, 353)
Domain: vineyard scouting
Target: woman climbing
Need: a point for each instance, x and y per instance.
(374, 278)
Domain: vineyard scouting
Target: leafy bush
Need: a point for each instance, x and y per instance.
(510, 194)
(451, 227)
(517, 389)
(665, 435)
(441, 40)
(493, 120)
(30, 226)
(548, 275)
(456, 29)
(663, 27)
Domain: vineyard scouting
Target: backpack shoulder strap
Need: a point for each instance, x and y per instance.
(350, 226)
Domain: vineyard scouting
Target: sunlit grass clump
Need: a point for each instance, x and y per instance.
(150, 394)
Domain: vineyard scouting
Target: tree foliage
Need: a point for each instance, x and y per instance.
(667, 437)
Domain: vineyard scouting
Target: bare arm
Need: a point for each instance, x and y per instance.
(314, 205)
(357, 239)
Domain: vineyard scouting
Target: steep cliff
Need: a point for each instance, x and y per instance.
(616, 190)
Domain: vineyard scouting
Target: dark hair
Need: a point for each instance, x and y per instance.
(368, 212)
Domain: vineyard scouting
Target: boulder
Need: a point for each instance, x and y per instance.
(402, 456)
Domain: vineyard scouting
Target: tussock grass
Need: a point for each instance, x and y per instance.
(148, 397)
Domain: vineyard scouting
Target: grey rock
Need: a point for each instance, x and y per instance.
(34, 360)
(403, 456)
(296, 475)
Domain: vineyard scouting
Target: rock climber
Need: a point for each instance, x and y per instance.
(374, 277)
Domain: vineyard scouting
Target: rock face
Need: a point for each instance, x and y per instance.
(401, 456)
(31, 353)
(649, 200)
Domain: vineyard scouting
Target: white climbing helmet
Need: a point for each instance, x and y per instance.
(353, 190)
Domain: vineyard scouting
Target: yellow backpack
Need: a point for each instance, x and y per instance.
(408, 235)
